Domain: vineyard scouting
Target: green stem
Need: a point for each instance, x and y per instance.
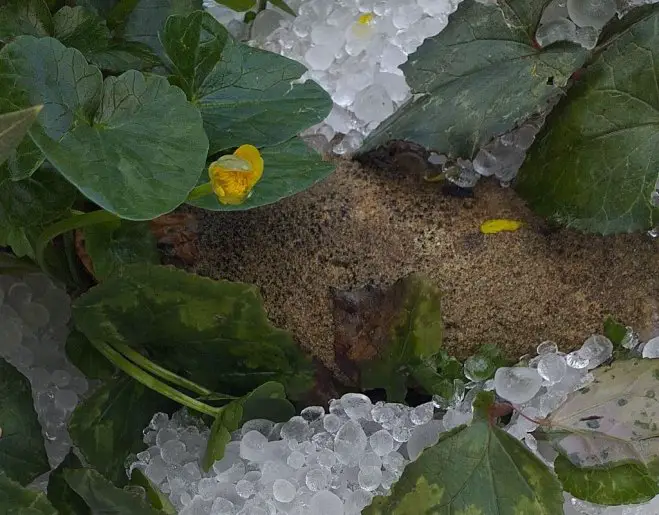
(262, 5)
(157, 370)
(69, 224)
(200, 191)
(151, 382)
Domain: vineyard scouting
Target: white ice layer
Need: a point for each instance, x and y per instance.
(334, 463)
(34, 314)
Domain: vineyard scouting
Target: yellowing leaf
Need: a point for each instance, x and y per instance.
(499, 225)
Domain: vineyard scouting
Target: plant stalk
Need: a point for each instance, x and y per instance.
(151, 382)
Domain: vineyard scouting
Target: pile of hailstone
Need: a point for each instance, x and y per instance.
(335, 462)
(34, 314)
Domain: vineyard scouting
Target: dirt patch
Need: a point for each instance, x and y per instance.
(372, 226)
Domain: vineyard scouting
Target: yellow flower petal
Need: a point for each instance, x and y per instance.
(365, 19)
(234, 176)
(499, 224)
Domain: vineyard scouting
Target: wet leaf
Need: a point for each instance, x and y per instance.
(228, 420)
(594, 165)
(17, 500)
(478, 78)
(107, 426)
(213, 332)
(29, 17)
(80, 28)
(22, 452)
(380, 335)
(61, 495)
(86, 358)
(13, 128)
(246, 95)
(113, 245)
(479, 469)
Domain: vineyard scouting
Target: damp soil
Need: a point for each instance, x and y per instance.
(370, 224)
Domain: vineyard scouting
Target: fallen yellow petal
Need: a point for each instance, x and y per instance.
(366, 18)
(500, 224)
(234, 176)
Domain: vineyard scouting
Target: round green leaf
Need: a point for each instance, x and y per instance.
(22, 452)
(29, 17)
(80, 28)
(595, 164)
(290, 167)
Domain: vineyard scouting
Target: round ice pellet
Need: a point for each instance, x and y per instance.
(283, 491)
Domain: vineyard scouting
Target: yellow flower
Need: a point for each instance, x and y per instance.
(366, 19)
(499, 225)
(233, 176)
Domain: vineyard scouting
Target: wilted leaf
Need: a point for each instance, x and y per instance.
(17, 500)
(213, 332)
(22, 453)
(290, 167)
(113, 245)
(380, 335)
(61, 495)
(103, 497)
(13, 128)
(147, 19)
(479, 470)
(80, 28)
(478, 78)
(24, 17)
(595, 164)
(622, 483)
(108, 426)
(609, 423)
(246, 95)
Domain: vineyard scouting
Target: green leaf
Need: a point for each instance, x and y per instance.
(249, 95)
(228, 420)
(614, 331)
(283, 6)
(80, 28)
(61, 495)
(122, 56)
(478, 78)
(147, 20)
(238, 5)
(108, 426)
(24, 17)
(480, 469)
(610, 424)
(103, 497)
(112, 246)
(22, 453)
(290, 168)
(35, 201)
(17, 500)
(13, 128)
(382, 335)
(19, 239)
(213, 332)
(86, 358)
(622, 483)
(158, 500)
(595, 164)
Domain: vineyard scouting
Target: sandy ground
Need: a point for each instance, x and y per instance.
(367, 225)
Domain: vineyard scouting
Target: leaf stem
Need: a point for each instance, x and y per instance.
(200, 191)
(148, 365)
(151, 382)
(69, 224)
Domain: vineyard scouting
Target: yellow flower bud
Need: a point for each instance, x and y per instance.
(233, 176)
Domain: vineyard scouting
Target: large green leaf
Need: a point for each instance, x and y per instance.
(108, 426)
(595, 164)
(476, 470)
(113, 245)
(290, 167)
(24, 17)
(103, 497)
(246, 95)
(381, 335)
(22, 453)
(60, 494)
(17, 500)
(478, 78)
(122, 56)
(609, 430)
(80, 28)
(13, 128)
(213, 332)
(34, 201)
(147, 19)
